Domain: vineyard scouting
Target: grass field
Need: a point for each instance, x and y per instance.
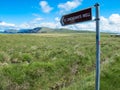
(57, 61)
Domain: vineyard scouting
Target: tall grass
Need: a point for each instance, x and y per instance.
(57, 61)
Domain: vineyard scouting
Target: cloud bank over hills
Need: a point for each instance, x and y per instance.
(110, 24)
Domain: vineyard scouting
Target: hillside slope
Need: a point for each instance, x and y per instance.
(50, 30)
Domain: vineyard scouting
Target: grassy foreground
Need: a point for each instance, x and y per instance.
(57, 62)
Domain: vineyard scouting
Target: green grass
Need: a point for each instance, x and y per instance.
(57, 62)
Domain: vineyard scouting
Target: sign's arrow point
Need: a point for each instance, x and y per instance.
(61, 21)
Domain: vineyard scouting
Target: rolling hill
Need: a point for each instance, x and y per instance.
(44, 30)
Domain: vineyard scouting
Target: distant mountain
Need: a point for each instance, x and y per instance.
(10, 31)
(50, 30)
(34, 30)
(62, 30)
(44, 30)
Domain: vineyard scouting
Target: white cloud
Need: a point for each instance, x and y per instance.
(114, 19)
(54, 24)
(110, 24)
(57, 19)
(45, 7)
(36, 15)
(104, 23)
(43, 24)
(86, 26)
(31, 24)
(6, 24)
(25, 25)
(36, 20)
(69, 5)
(49, 24)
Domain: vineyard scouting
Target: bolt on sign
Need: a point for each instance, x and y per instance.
(80, 16)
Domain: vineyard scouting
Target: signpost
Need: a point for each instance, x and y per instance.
(81, 16)
(97, 48)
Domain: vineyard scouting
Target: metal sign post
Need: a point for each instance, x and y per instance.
(97, 86)
(81, 16)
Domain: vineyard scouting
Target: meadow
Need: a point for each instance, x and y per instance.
(58, 61)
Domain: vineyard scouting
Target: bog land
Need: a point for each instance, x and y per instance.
(57, 61)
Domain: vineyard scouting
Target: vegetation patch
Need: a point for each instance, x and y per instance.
(57, 61)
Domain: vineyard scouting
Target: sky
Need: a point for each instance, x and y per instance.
(47, 13)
